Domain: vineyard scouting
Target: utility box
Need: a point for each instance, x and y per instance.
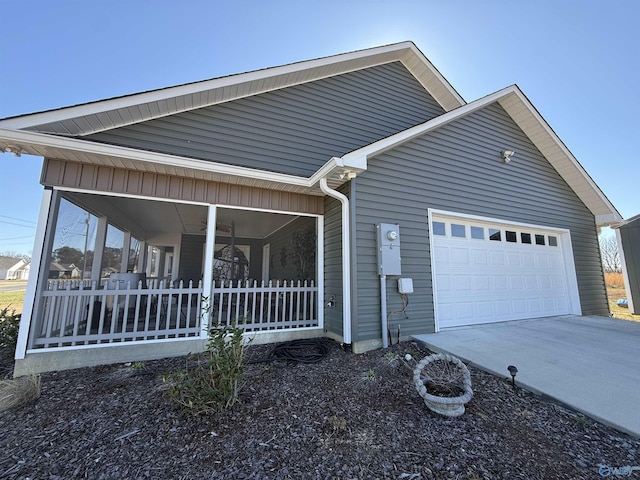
(388, 241)
(405, 285)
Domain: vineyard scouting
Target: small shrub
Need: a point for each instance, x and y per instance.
(214, 383)
(390, 356)
(9, 323)
(137, 365)
(19, 391)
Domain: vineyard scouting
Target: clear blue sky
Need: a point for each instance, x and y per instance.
(578, 61)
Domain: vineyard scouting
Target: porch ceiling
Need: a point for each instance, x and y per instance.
(149, 219)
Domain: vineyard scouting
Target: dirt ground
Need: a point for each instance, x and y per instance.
(346, 417)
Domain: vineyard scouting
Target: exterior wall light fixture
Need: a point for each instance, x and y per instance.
(506, 155)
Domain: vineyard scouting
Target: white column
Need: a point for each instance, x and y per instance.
(126, 246)
(101, 237)
(207, 279)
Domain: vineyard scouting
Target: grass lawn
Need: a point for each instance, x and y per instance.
(13, 300)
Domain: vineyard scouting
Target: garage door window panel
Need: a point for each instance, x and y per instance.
(477, 233)
(439, 228)
(458, 231)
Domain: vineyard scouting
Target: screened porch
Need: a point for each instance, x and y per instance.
(123, 269)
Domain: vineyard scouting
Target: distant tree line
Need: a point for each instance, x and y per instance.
(15, 255)
(610, 254)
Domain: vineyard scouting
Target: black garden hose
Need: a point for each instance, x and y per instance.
(304, 351)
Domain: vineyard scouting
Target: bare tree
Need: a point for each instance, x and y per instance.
(609, 253)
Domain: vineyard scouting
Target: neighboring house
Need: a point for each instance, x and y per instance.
(292, 200)
(63, 271)
(12, 268)
(628, 236)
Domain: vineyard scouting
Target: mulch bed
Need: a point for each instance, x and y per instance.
(346, 417)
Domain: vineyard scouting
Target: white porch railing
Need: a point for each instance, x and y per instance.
(258, 307)
(76, 312)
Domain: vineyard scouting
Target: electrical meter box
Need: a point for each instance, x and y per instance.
(388, 240)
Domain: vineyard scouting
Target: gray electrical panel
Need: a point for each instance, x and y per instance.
(388, 241)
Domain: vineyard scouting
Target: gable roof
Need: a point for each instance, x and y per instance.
(47, 133)
(107, 114)
(9, 263)
(525, 115)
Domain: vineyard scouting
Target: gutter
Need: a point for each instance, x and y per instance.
(346, 261)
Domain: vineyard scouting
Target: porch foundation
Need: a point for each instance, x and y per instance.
(50, 360)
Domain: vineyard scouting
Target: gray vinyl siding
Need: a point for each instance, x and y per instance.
(630, 239)
(294, 130)
(458, 168)
(333, 265)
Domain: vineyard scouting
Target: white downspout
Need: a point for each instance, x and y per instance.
(346, 261)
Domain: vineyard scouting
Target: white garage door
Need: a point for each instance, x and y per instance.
(491, 271)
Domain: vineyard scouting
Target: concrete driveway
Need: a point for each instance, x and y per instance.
(591, 364)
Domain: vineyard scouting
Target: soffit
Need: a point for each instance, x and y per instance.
(116, 112)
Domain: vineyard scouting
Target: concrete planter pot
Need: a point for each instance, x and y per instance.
(444, 383)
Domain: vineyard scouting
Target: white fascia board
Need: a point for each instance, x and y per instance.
(343, 63)
(624, 222)
(24, 139)
(457, 98)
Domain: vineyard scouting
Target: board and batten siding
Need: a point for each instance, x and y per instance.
(294, 130)
(62, 173)
(458, 168)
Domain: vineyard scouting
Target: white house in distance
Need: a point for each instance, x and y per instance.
(354, 197)
(12, 268)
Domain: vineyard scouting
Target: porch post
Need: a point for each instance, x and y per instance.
(207, 279)
(40, 260)
(101, 237)
(126, 246)
(142, 257)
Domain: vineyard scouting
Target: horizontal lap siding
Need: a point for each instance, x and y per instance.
(458, 168)
(294, 130)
